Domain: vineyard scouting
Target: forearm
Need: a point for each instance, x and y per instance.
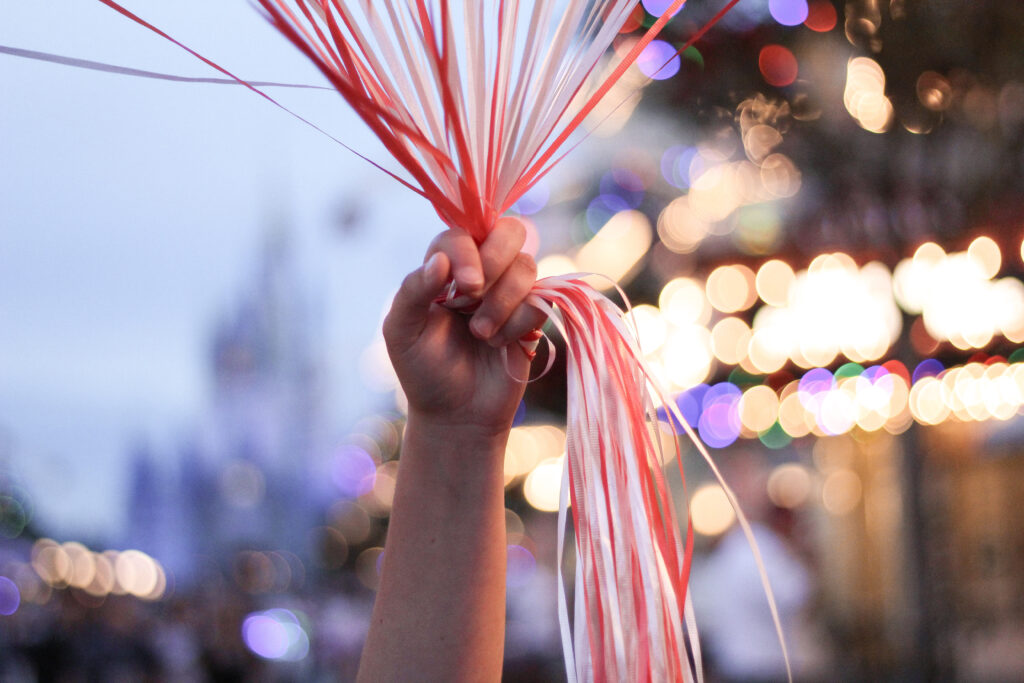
(440, 610)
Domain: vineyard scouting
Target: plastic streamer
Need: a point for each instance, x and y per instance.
(476, 101)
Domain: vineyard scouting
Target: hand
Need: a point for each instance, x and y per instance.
(451, 365)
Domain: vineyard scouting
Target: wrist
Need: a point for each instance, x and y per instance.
(442, 429)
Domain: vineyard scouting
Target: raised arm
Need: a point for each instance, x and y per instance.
(440, 610)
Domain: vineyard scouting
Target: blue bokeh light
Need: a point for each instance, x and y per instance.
(10, 596)
(521, 565)
(658, 7)
(812, 385)
(535, 199)
(658, 61)
(353, 471)
(275, 634)
(788, 12)
(927, 368)
(675, 165)
(624, 184)
(719, 424)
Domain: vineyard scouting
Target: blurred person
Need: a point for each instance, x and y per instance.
(734, 620)
(440, 610)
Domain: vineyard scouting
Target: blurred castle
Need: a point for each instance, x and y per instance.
(246, 478)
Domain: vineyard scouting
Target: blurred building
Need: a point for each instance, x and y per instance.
(244, 479)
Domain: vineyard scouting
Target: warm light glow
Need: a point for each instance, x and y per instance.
(651, 327)
(985, 253)
(934, 91)
(864, 96)
(759, 141)
(556, 264)
(730, 339)
(926, 402)
(51, 562)
(780, 176)
(687, 356)
(793, 417)
(543, 486)
(368, 566)
(833, 307)
(958, 300)
(136, 573)
(680, 228)
(789, 485)
(104, 578)
(616, 249)
(683, 302)
(841, 492)
(710, 510)
(773, 282)
(83, 566)
(715, 194)
(769, 349)
(759, 408)
(731, 288)
(528, 445)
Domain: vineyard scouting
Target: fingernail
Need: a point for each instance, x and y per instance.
(463, 301)
(482, 327)
(469, 276)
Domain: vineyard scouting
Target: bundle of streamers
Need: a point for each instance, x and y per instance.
(476, 101)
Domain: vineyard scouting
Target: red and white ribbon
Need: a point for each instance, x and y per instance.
(476, 101)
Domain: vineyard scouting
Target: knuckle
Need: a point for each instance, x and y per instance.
(501, 302)
(526, 263)
(437, 244)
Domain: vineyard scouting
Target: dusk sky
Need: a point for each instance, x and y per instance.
(132, 214)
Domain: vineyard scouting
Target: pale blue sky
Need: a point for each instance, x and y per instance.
(131, 214)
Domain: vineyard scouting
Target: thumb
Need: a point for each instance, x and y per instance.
(408, 314)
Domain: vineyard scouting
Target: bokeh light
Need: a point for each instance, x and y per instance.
(543, 485)
(730, 339)
(710, 510)
(864, 96)
(521, 566)
(821, 16)
(759, 408)
(774, 280)
(841, 492)
(658, 60)
(658, 7)
(368, 567)
(680, 228)
(675, 165)
(731, 288)
(617, 248)
(353, 471)
(719, 423)
(789, 485)
(683, 302)
(778, 65)
(276, 634)
(10, 596)
(788, 12)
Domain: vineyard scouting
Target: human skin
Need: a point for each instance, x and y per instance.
(440, 608)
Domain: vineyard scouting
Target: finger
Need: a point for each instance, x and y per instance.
(464, 256)
(411, 305)
(504, 296)
(523, 321)
(500, 248)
